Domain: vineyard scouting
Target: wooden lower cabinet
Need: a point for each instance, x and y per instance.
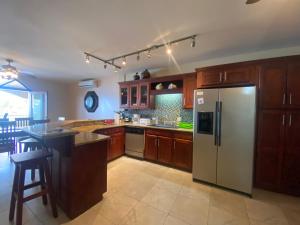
(150, 147)
(183, 154)
(169, 147)
(164, 149)
(116, 143)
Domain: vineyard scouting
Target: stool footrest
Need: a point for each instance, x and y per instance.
(32, 185)
(39, 194)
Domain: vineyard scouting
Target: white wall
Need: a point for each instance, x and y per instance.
(108, 91)
(58, 95)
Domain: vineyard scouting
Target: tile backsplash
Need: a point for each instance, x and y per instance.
(167, 107)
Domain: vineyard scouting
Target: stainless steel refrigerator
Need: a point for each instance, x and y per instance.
(224, 133)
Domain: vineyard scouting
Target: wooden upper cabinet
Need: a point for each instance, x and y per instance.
(150, 147)
(124, 96)
(183, 154)
(293, 85)
(273, 85)
(240, 75)
(134, 96)
(164, 147)
(270, 147)
(189, 85)
(209, 77)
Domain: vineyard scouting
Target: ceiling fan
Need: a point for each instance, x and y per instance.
(10, 72)
(251, 1)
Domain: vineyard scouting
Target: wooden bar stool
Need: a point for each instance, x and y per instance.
(28, 161)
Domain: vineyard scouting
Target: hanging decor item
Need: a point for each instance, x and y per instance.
(8, 71)
(137, 54)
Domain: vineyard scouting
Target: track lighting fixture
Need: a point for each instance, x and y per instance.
(124, 61)
(148, 52)
(251, 1)
(87, 59)
(193, 44)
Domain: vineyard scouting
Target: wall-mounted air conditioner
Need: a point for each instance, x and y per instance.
(90, 83)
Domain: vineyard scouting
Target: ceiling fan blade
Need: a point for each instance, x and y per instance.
(252, 1)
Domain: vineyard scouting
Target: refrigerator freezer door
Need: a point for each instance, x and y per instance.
(204, 147)
(236, 152)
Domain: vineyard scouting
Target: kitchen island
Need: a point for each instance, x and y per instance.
(78, 165)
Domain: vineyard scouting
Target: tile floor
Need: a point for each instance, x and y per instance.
(142, 193)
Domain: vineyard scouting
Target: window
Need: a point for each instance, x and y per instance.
(18, 101)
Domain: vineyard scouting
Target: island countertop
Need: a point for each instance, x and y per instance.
(87, 138)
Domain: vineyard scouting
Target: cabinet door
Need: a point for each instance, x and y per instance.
(189, 85)
(240, 75)
(273, 85)
(164, 149)
(182, 154)
(209, 77)
(117, 145)
(150, 147)
(109, 149)
(270, 148)
(144, 93)
(124, 96)
(134, 96)
(291, 164)
(293, 84)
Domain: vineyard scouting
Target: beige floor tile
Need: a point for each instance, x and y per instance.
(293, 216)
(170, 220)
(221, 217)
(231, 202)
(116, 206)
(27, 216)
(265, 213)
(194, 212)
(143, 214)
(160, 198)
(195, 191)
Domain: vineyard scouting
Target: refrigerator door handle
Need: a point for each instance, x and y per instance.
(216, 123)
(219, 123)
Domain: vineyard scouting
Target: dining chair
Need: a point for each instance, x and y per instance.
(21, 123)
(7, 136)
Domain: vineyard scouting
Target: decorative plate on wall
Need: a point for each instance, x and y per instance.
(91, 101)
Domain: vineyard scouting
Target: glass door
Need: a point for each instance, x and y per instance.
(39, 105)
(134, 96)
(144, 95)
(124, 96)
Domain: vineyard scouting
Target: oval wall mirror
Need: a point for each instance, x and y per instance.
(91, 101)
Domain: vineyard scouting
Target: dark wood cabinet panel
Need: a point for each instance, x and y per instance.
(134, 96)
(150, 147)
(291, 164)
(209, 77)
(144, 95)
(117, 145)
(182, 154)
(293, 85)
(240, 75)
(124, 96)
(270, 149)
(273, 85)
(165, 148)
(189, 85)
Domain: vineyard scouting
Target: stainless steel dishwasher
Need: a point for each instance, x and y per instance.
(134, 141)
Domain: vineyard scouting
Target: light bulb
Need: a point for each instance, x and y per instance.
(87, 59)
(169, 50)
(124, 61)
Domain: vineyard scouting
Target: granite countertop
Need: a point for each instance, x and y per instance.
(48, 131)
(92, 128)
(86, 138)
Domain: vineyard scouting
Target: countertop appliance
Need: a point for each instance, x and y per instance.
(136, 119)
(145, 121)
(224, 133)
(134, 141)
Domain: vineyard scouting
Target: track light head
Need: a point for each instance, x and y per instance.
(193, 43)
(149, 54)
(169, 50)
(87, 59)
(248, 2)
(116, 69)
(138, 57)
(105, 65)
(124, 61)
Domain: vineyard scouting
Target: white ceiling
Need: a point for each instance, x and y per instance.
(47, 38)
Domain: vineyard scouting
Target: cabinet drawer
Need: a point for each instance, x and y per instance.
(183, 135)
(158, 132)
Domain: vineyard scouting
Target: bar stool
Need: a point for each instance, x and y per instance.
(28, 161)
